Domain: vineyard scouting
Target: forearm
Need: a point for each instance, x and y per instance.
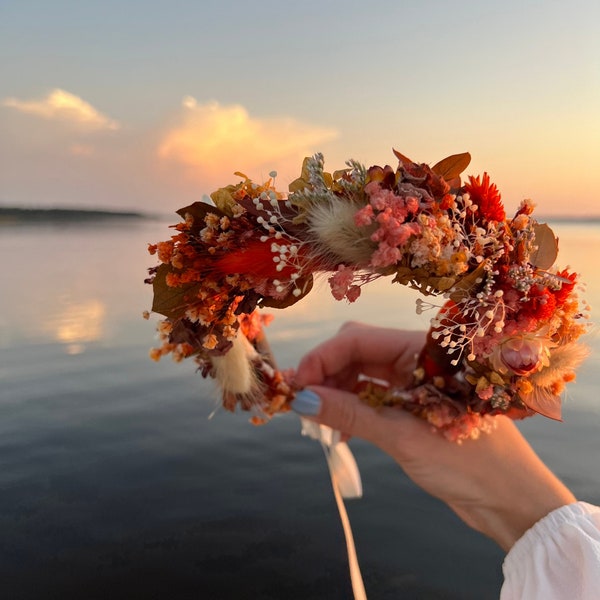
(497, 484)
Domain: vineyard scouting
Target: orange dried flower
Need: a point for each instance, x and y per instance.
(487, 198)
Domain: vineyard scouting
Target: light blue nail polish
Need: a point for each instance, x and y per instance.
(306, 403)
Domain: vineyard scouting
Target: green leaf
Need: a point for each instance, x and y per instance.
(546, 251)
(172, 302)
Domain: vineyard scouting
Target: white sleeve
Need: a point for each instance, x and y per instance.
(557, 559)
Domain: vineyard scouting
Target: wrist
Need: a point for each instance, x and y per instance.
(507, 523)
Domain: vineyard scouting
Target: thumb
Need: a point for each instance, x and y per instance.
(339, 410)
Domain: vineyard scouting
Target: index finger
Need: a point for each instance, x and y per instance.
(378, 352)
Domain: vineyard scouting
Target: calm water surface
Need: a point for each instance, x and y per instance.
(114, 483)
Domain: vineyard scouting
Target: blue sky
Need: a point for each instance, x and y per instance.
(147, 104)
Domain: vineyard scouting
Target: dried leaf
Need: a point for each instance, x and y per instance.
(297, 185)
(496, 379)
(172, 302)
(421, 280)
(482, 384)
(198, 210)
(223, 198)
(547, 247)
(404, 275)
(544, 402)
(454, 183)
(444, 283)
(451, 167)
(305, 284)
(301, 182)
(403, 159)
(340, 173)
(465, 284)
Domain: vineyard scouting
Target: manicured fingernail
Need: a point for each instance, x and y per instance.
(306, 403)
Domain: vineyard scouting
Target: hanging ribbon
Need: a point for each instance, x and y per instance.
(346, 483)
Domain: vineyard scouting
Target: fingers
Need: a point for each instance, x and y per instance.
(374, 351)
(338, 409)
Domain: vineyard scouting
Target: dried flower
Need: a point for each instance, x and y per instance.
(521, 355)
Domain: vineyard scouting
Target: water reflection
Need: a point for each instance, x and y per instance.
(80, 285)
(75, 285)
(78, 324)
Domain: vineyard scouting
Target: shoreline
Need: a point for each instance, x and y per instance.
(17, 216)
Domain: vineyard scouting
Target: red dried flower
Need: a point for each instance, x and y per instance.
(568, 283)
(487, 197)
(541, 304)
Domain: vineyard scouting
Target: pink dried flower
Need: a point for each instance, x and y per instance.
(341, 284)
(385, 255)
(521, 355)
(364, 216)
(353, 293)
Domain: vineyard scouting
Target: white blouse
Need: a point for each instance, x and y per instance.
(557, 559)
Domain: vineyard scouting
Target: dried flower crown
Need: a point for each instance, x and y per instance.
(504, 341)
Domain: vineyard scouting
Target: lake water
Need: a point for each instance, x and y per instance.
(114, 483)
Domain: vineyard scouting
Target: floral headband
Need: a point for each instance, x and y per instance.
(503, 342)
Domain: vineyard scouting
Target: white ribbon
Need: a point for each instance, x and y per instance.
(346, 483)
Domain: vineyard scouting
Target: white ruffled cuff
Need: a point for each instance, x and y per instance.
(558, 558)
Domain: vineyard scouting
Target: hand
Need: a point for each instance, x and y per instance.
(496, 484)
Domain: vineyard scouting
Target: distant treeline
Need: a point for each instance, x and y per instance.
(10, 215)
(45, 215)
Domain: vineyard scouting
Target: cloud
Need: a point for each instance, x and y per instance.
(211, 141)
(60, 105)
(159, 167)
(81, 150)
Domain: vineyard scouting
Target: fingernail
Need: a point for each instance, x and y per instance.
(306, 403)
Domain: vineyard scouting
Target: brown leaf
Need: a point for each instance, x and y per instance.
(547, 247)
(451, 167)
(443, 283)
(544, 402)
(421, 280)
(305, 284)
(199, 210)
(465, 285)
(403, 159)
(454, 183)
(169, 301)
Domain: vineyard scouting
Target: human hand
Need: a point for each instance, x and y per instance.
(496, 484)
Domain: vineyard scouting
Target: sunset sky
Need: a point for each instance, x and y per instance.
(150, 104)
